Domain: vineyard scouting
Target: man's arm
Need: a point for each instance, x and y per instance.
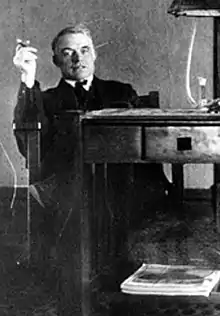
(29, 107)
(29, 104)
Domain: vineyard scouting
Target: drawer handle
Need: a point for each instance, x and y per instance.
(184, 143)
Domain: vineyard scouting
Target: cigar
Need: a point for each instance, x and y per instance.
(22, 43)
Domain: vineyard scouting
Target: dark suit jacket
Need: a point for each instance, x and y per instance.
(56, 142)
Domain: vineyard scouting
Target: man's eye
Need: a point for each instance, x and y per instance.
(85, 50)
(67, 53)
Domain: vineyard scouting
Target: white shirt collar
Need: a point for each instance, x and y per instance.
(86, 86)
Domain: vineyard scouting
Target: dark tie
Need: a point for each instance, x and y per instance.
(81, 94)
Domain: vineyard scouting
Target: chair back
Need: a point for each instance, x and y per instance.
(150, 100)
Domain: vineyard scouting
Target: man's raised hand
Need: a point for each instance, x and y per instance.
(25, 60)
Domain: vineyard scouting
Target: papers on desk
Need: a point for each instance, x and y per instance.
(144, 111)
(151, 113)
(171, 280)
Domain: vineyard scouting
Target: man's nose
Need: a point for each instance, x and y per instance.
(75, 57)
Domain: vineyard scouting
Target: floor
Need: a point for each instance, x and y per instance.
(174, 307)
(23, 294)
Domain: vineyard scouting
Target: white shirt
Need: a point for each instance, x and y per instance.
(86, 86)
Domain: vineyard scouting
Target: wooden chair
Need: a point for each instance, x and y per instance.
(31, 133)
(150, 100)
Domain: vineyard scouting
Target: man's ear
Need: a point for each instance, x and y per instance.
(56, 61)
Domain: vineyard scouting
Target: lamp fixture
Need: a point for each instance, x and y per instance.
(195, 8)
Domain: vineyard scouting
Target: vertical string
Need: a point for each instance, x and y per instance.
(188, 68)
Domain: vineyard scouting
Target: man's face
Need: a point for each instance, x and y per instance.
(76, 56)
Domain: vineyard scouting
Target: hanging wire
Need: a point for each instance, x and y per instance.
(188, 68)
(189, 61)
(14, 173)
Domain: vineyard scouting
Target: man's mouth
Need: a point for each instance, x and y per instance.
(78, 67)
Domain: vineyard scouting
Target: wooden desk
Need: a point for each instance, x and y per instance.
(115, 137)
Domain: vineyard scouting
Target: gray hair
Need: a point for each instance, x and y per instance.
(74, 29)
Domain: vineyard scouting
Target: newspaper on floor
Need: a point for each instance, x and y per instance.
(171, 280)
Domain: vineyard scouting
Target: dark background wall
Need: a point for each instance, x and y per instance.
(137, 42)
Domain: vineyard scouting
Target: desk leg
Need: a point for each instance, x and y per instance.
(179, 233)
(178, 182)
(216, 196)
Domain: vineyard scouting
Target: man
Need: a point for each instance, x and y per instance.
(79, 89)
(74, 54)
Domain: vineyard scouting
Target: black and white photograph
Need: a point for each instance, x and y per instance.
(110, 158)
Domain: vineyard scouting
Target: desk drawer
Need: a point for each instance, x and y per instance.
(182, 144)
(112, 144)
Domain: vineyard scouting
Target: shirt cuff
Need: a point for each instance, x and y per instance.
(28, 80)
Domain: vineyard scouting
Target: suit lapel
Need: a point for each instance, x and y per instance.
(66, 97)
(98, 93)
